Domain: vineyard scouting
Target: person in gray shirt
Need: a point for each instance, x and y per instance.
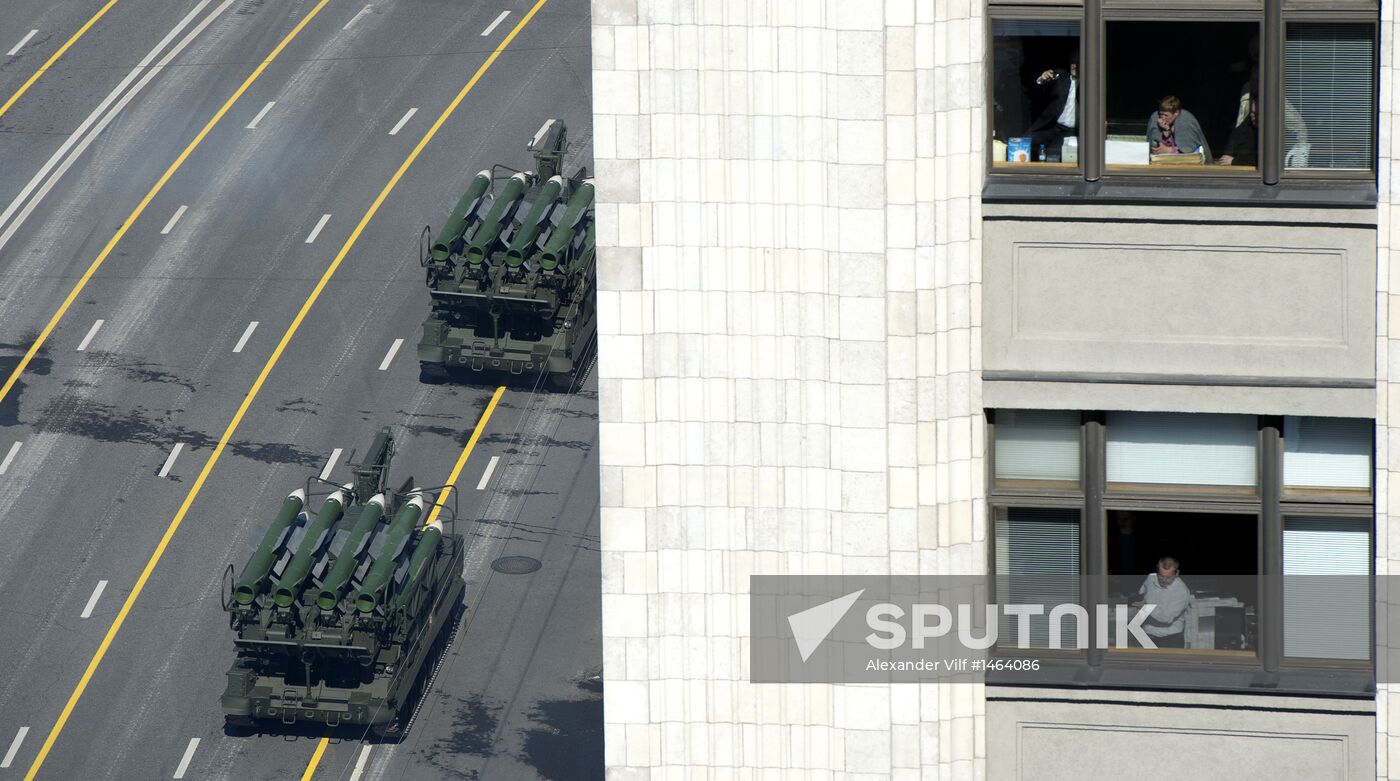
(1172, 130)
(1170, 598)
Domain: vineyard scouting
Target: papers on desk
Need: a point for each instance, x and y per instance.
(1126, 150)
(1192, 158)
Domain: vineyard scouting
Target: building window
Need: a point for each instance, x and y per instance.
(1330, 94)
(1327, 454)
(1037, 557)
(1162, 449)
(1184, 88)
(1038, 447)
(1220, 576)
(1326, 594)
(1035, 94)
(1165, 107)
(1219, 510)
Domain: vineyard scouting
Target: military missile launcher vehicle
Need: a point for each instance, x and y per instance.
(342, 613)
(511, 273)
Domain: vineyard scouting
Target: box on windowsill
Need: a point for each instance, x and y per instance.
(1069, 150)
(1018, 149)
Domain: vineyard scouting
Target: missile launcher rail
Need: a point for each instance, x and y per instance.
(511, 274)
(341, 614)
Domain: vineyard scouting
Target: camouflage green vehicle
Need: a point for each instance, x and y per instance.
(511, 273)
(341, 614)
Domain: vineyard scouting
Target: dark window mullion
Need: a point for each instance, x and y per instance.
(1270, 614)
(1091, 81)
(1271, 87)
(1094, 588)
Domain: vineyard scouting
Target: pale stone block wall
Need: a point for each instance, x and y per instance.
(1387, 389)
(789, 351)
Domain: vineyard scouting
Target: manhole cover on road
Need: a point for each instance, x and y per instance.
(515, 565)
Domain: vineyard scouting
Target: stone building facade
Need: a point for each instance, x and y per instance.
(813, 288)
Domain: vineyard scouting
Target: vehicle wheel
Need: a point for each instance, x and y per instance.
(432, 373)
(561, 381)
(239, 726)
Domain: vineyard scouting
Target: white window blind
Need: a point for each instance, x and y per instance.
(1037, 445)
(1330, 95)
(1182, 448)
(1037, 553)
(1326, 588)
(1327, 452)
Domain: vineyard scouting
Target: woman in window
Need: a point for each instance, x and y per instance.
(1172, 130)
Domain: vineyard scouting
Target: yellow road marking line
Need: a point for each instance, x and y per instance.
(54, 58)
(467, 451)
(141, 207)
(315, 758)
(451, 479)
(252, 394)
(53, 322)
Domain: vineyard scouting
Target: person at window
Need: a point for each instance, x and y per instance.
(1243, 146)
(1060, 118)
(1295, 128)
(1172, 130)
(1170, 597)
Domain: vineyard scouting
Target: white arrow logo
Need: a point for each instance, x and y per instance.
(811, 626)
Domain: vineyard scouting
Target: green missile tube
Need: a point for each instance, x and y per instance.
(490, 228)
(563, 234)
(588, 245)
(530, 228)
(251, 582)
(426, 545)
(400, 530)
(289, 587)
(457, 220)
(346, 560)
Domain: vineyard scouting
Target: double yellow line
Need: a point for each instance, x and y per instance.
(252, 393)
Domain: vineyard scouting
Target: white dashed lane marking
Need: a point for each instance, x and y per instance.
(360, 764)
(316, 231)
(10, 456)
(185, 760)
(92, 600)
(21, 43)
(180, 212)
(330, 464)
(393, 350)
(83, 345)
(170, 461)
(362, 12)
(243, 340)
(486, 476)
(253, 125)
(404, 121)
(494, 24)
(14, 747)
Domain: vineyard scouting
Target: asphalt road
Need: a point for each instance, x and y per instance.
(238, 234)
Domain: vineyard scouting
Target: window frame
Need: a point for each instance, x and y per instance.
(1094, 16)
(1047, 10)
(1266, 669)
(1276, 107)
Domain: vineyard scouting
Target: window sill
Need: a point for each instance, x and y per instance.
(1184, 677)
(1161, 190)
